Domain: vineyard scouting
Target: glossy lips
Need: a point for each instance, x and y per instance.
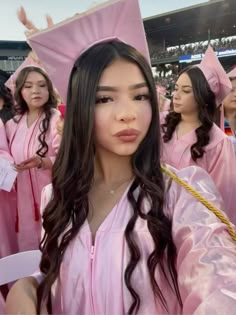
(127, 135)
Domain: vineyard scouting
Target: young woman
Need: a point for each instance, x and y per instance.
(113, 219)
(190, 137)
(229, 105)
(33, 144)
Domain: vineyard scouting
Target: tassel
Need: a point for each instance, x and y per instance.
(36, 212)
(17, 222)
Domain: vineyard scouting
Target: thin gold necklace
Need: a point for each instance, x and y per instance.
(113, 190)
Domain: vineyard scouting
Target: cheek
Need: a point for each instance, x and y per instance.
(46, 94)
(102, 121)
(145, 115)
(25, 94)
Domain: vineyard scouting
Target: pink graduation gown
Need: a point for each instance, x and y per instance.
(8, 238)
(91, 277)
(219, 160)
(23, 142)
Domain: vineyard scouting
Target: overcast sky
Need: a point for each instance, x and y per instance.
(11, 28)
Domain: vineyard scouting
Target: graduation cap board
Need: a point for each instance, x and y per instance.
(60, 45)
(215, 75)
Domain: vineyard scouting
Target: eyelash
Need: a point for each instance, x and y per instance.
(143, 96)
(176, 90)
(106, 99)
(28, 87)
(103, 99)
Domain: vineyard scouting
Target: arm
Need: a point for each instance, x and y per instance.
(221, 162)
(53, 139)
(206, 263)
(22, 298)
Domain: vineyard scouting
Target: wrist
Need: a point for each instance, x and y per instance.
(40, 165)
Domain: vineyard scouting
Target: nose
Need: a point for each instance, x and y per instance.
(126, 112)
(175, 95)
(128, 119)
(35, 89)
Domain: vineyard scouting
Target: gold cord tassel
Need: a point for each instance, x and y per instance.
(204, 201)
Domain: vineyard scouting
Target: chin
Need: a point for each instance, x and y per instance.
(177, 110)
(125, 149)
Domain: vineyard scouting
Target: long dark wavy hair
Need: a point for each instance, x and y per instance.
(21, 106)
(73, 173)
(6, 112)
(207, 114)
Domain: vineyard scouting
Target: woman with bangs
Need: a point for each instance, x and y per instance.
(120, 236)
(33, 144)
(111, 218)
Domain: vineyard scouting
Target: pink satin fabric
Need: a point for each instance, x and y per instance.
(92, 277)
(8, 238)
(219, 160)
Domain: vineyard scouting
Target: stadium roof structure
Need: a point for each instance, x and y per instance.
(13, 44)
(212, 19)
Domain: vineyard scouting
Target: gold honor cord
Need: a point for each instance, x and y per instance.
(204, 201)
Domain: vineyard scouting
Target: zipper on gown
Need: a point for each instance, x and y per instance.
(92, 248)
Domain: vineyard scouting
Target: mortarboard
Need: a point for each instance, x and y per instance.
(215, 75)
(232, 74)
(28, 62)
(60, 45)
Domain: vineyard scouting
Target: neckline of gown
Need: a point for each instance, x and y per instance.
(109, 219)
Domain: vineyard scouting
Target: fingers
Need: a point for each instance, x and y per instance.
(30, 27)
(22, 15)
(49, 20)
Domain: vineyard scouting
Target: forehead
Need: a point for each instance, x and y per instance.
(184, 79)
(121, 72)
(34, 76)
(233, 83)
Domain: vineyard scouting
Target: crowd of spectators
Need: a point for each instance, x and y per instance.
(195, 48)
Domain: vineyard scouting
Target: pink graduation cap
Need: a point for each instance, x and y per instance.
(217, 79)
(60, 45)
(232, 74)
(215, 75)
(28, 62)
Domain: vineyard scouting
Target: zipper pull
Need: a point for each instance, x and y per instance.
(92, 252)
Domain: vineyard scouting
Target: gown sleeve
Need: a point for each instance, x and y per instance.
(55, 137)
(222, 168)
(206, 254)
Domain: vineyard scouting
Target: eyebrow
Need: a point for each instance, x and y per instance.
(41, 81)
(185, 86)
(115, 89)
